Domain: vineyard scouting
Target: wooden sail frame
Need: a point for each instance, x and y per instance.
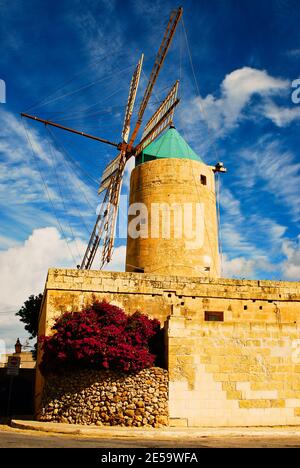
(111, 181)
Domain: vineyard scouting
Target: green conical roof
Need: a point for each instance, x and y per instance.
(169, 145)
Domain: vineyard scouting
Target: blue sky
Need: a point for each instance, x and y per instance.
(71, 61)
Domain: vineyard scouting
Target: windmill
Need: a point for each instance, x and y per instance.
(104, 230)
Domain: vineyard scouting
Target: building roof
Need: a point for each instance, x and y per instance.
(169, 145)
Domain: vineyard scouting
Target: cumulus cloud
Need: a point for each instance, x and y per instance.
(11, 328)
(249, 267)
(291, 266)
(23, 270)
(239, 86)
(238, 267)
(236, 92)
(281, 116)
(118, 259)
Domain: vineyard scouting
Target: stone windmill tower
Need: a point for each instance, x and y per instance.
(178, 234)
(172, 225)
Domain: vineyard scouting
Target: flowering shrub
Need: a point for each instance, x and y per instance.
(102, 337)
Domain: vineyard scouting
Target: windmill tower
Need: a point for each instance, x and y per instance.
(178, 229)
(168, 173)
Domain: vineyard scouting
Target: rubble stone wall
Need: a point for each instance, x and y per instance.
(107, 398)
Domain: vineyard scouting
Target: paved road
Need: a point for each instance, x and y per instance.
(17, 439)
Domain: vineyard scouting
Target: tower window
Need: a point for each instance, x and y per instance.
(203, 180)
(214, 317)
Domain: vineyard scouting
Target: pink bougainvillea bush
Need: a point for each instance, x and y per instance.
(101, 337)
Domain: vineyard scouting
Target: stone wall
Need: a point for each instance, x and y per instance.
(157, 296)
(107, 398)
(272, 307)
(233, 374)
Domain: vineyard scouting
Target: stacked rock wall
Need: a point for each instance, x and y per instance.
(107, 398)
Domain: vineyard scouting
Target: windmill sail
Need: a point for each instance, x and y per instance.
(96, 235)
(109, 172)
(111, 181)
(112, 168)
(160, 58)
(131, 99)
(112, 177)
(161, 119)
(104, 229)
(112, 213)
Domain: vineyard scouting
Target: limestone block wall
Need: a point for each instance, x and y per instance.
(233, 374)
(157, 296)
(240, 301)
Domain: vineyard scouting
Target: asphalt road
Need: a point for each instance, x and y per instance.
(21, 440)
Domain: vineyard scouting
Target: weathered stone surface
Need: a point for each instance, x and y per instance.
(107, 398)
(176, 182)
(252, 349)
(233, 374)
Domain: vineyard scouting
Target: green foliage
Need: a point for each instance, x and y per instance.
(29, 314)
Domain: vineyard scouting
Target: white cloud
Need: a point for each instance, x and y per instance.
(248, 267)
(23, 271)
(251, 242)
(236, 92)
(6, 242)
(21, 183)
(239, 86)
(269, 162)
(23, 268)
(281, 116)
(291, 266)
(247, 232)
(238, 267)
(230, 203)
(118, 259)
